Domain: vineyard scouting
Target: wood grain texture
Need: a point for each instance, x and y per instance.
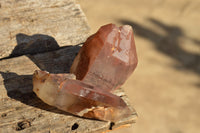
(26, 23)
(22, 111)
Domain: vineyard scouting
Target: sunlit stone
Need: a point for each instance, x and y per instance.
(45, 85)
(102, 65)
(78, 98)
(107, 58)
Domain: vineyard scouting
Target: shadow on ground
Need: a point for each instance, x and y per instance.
(169, 44)
(36, 48)
(37, 43)
(19, 87)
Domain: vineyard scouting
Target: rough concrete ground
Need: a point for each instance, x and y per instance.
(165, 87)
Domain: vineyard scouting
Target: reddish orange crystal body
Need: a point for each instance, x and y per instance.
(102, 65)
(78, 98)
(107, 58)
(93, 103)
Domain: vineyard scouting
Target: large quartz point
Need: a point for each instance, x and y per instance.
(78, 98)
(107, 58)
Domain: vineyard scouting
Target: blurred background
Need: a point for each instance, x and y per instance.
(165, 87)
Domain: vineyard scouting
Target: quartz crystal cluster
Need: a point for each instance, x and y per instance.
(102, 65)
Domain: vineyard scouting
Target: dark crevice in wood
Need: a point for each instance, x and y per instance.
(3, 115)
(111, 125)
(22, 125)
(75, 126)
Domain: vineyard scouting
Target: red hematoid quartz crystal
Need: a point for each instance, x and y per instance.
(102, 65)
(107, 58)
(78, 98)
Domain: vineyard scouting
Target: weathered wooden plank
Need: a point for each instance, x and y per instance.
(26, 24)
(30, 27)
(21, 110)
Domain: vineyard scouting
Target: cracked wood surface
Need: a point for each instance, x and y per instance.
(26, 22)
(20, 109)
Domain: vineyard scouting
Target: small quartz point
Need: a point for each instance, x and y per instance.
(77, 97)
(45, 85)
(107, 58)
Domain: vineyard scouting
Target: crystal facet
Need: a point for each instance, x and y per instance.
(102, 65)
(107, 58)
(78, 98)
(45, 85)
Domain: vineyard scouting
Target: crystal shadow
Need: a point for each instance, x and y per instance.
(19, 87)
(169, 44)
